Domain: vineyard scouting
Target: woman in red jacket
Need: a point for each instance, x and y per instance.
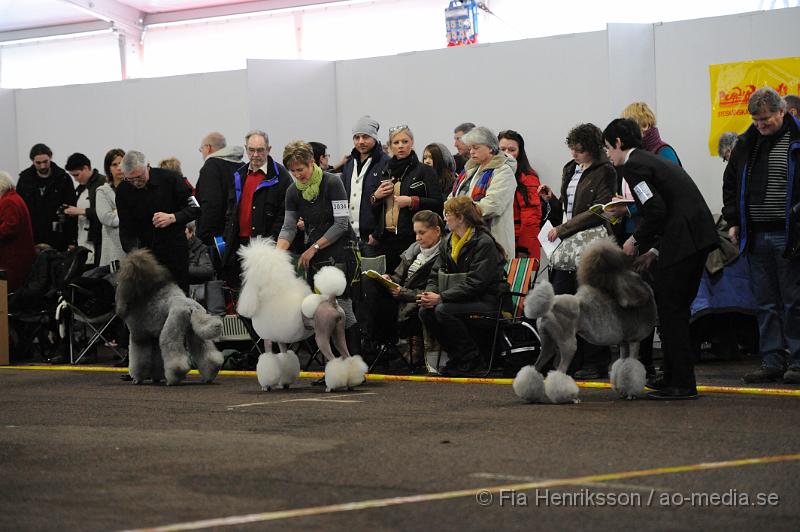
(527, 204)
(16, 234)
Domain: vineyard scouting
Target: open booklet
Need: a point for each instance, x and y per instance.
(372, 274)
(600, 208)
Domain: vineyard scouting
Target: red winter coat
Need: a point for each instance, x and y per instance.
(527, 216)
(16, 238)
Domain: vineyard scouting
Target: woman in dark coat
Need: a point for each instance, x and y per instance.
(469, 250)
(407, 186)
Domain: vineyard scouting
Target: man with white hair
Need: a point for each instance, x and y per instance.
(761, 198)
(154, 205)
(214, 184)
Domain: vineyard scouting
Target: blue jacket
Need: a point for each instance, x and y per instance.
(737, 186)
(367, 224)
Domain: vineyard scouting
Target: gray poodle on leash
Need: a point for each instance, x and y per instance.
(612, 306)
(165, 325)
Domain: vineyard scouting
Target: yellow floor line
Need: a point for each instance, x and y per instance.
(471, 492)
(779, 392)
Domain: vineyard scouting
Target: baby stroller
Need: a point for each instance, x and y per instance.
(32, 307)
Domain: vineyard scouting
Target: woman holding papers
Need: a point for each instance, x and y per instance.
(588, 178)
(394, 302)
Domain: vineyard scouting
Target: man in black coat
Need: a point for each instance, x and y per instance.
(214, 183)
(154, 205)
(46, 189)
(675, 236)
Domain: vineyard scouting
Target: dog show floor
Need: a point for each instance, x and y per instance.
(82, 450)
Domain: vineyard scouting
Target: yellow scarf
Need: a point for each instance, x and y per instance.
(458, 243)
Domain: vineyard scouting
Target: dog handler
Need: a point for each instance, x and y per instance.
(320, 200)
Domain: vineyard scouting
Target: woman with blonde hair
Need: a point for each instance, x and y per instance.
(651, 138)
(467, 278)
(407, 186)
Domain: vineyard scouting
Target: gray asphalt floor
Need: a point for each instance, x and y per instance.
(83, 450)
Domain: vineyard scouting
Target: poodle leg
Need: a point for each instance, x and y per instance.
(339, 339)
(206, 356)
(323, 339)
(173, 345)
(567, 350)
(157, 371)
(139, 359)
(633, 350)
(547, 352)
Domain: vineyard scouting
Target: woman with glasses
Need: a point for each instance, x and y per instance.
(587, 179)
(488, 179)
(468, 277)
(527, 203)
(407, 186)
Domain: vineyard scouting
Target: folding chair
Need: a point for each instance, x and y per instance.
(521, 274)
(85, 306)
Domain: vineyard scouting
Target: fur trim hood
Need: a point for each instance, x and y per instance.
(496, 162)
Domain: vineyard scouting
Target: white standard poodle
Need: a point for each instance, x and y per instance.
(612, 306)
(165, 325)
(284, 310)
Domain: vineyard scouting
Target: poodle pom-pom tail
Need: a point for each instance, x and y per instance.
(330, 281)
(336, 372)
(540, 301)
(529, 385)
(560, 388)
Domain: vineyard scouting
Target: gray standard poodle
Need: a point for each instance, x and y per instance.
(165, 325)
(613, 306)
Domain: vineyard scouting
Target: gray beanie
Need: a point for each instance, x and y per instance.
(368, 126)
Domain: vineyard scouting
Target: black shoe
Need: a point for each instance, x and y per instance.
(126, 377)
(461, 367)
(763, 375)
(673, 393)
(656, 383)
(59, 360)
(122, 363)
(319, 382)
(588, 374)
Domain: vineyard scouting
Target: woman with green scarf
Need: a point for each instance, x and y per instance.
(468, 278)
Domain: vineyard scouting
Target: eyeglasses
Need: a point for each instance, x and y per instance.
(256, 150)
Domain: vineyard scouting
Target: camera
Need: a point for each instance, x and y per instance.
(60, 221)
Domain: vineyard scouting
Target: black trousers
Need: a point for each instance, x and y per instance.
(446, 323)
(675, 288)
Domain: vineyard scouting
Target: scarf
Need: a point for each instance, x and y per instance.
(479, 191)
(423, 257)
(310, 189)
(458, 243)
(399, 167)
(651, 140)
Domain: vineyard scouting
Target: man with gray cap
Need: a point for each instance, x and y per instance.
(361, 177)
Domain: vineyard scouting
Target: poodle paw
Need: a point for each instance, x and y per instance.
(529, 385)
(560, 388)
(337, 373)
(356, 371)
(268, 371)
(628, 377)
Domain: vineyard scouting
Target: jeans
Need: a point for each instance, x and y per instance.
(776, 284)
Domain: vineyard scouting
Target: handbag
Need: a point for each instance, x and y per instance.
(449, 280)
(567, 255)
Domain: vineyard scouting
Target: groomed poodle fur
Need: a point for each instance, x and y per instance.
(165, 325)
(284, 310)
(612, 306)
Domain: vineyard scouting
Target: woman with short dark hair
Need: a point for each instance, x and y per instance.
(106, 207)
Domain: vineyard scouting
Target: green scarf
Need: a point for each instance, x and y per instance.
(458, 243)
(310, 189)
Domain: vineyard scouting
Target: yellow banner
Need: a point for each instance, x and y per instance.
(733, 83)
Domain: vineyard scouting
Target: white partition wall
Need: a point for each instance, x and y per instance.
(162, 117)
(539, 87)
(683, 52)
(8, 134)
(293, 100)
